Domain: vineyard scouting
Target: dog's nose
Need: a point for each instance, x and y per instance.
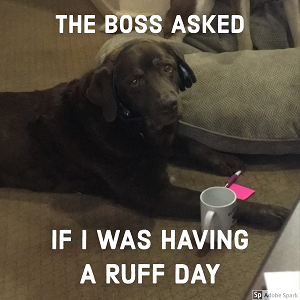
(169, 103)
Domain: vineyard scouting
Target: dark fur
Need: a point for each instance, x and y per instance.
(71, 138)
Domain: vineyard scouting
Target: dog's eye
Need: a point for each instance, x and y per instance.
(168, 68)
(135, 82)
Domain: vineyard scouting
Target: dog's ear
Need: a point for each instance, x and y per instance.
(186, 74)
(100, 91)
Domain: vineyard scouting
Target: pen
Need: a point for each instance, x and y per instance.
(233, 178)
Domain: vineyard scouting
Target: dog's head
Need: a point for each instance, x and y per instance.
(143, 79)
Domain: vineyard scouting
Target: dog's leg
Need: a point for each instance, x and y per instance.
(220, 163)
(266, 216)
(178, 7)
(149, 191)
(292, 10)
(183, 203)
(242, 7)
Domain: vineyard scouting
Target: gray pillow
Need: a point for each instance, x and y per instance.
(243, 102)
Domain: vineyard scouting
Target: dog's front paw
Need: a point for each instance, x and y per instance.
(273, 216)
(227, 165)
(270, 217)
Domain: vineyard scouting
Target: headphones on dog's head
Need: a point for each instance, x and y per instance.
(186, 75)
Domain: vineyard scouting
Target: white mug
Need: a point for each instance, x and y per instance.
(218, 205)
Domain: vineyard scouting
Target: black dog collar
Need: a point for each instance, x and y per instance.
(127, 114)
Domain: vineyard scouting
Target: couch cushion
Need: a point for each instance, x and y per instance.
(245, 102)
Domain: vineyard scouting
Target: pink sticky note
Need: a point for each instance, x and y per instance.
(241, 192)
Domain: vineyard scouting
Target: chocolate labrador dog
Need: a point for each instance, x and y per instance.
(113, 130)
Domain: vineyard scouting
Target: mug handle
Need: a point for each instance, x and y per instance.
(207, 220)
